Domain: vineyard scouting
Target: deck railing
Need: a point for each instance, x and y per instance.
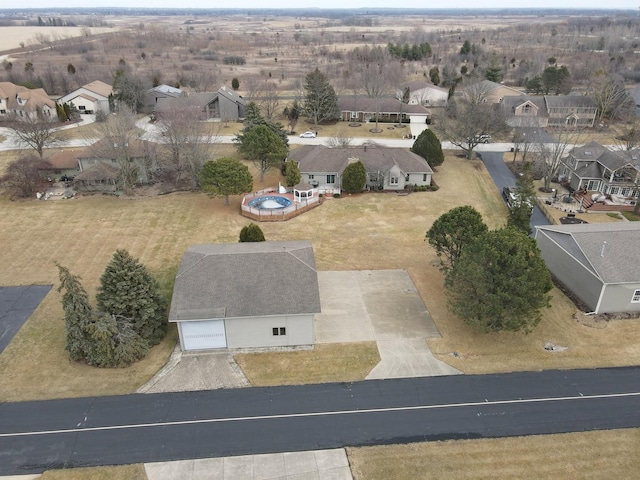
(277, 214)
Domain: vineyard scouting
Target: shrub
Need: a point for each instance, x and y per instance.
(251, 233)
(234, 60)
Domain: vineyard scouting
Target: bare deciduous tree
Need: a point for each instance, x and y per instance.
(185, 144)
(550, 147)
(36, 132)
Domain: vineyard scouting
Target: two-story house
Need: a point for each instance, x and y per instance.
(594, 168)
(549, 111)
(22, 103)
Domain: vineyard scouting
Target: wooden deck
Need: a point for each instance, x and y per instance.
(589, 205)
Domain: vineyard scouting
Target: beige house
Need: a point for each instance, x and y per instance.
(246, 295)
(90, 98)
(18, 102)
(487, 91)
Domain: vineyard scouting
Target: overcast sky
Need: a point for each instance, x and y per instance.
(579, 4)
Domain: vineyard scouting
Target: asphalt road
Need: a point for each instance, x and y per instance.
(503, 177)
(36, 436)
(16, 306)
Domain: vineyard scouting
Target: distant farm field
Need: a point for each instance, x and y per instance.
(14, 37)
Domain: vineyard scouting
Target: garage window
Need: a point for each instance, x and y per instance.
(636, 297)
(279, 331)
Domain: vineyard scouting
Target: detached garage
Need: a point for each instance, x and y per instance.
(243, 295)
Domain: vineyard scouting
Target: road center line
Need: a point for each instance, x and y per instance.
(322, 414)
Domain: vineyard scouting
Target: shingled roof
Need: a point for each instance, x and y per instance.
(615, 261)
(250, 279)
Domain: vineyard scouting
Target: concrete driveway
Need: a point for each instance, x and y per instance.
(382, 306)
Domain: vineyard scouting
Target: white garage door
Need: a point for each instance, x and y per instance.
(203, 335)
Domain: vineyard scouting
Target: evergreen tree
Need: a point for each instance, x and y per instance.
(452, 231)
(291, 173)
(429, 147)
(235, 83)
(254, 118)
(127, 289)
(520, 209)
(263, 146)
(466, 48)
(354, 177)
(116, 344)
(225, 176)
(500, 282)
(77, 314)
(321, 101)
(251, 233)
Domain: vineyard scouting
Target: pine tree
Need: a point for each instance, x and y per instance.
(291, 173)
(321, 101)
(127, 289)
(354, 177)
(77, 314)
(429, 147)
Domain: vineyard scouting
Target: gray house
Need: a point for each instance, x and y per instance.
(225, 105)
(549, 110)
(154, 94)
(597, 262)
(595, 168)
(242, 295)
(387, 168)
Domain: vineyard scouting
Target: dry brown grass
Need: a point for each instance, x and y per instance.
(338, 362)
(367, 231)
(122, 472)
(589, 455)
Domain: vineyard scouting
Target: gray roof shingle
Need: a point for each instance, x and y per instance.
(246, 280)
(621, 260)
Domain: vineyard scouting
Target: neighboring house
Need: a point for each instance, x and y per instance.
(225, 105)
(425, 93)
(90, 98)
(490, 92)
(17, 102)
(598, 262)
(246, 295)
(63, 163)
(154, 94)
(594, 168)
(99, 164)
(387, 168)
(363, 109)
(549, 111)
(634, 93)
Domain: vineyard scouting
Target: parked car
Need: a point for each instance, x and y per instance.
(480, 139)
(512, 197)
(308, 135)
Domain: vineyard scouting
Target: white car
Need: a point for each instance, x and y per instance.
(308, 135)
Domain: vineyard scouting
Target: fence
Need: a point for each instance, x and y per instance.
(278, 214)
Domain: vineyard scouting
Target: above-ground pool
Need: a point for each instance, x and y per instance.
(270, 202)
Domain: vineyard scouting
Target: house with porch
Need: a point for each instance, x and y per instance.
(90, 98)
(601, 177)
(598, 262)
(246, 295)
(387, 168)
(22, 103)
(388, 109)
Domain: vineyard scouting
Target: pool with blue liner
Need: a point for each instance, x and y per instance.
(270, 202)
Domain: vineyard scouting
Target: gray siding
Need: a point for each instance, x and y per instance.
(572, 274)
(252, 332)
(617, 298)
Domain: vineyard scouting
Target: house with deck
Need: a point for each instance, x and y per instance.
(387, 168)
(246, 295)
(602, 177)
(598, 262)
